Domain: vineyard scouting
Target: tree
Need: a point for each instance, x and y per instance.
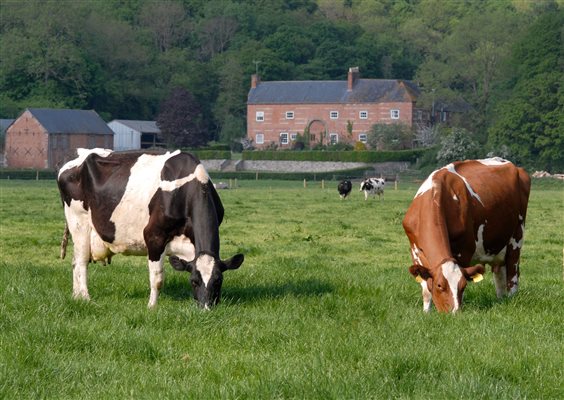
(531, 121)
(180, 120)
(458, 145)
(390, 137)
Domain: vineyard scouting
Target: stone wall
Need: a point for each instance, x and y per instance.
(386, 168)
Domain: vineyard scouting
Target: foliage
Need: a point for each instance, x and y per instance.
(390, 137)
(530, 122)
(338, 156)
(314, 312)
(123, 58)
(180, 120)
(456, 146)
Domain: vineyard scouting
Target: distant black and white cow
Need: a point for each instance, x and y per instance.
(373, 186)
(344, 188)
(145, 204)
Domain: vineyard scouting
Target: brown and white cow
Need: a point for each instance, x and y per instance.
(145, 204)
(465, 213)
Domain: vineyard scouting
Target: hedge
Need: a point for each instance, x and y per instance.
(27, 174)
(210, 154)
(335, 156)
(358, 173)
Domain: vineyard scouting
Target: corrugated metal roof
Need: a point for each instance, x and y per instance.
(71, 121)
(327, 92)
(140, 126)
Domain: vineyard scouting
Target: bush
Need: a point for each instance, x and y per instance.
(336, 156)
(458, 145)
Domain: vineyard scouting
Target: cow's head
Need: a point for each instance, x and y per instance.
(445, 285)
(206, 275)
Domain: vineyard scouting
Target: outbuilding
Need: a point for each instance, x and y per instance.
(135, 135)
(45, 138)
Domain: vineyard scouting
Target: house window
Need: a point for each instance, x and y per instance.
(394, 114)
(259, 138)
(284, 138)
(293, 136)
(334, 138)
(363, 137)
(334, 114)
(260, 116)
(289, 115)
(363, 115)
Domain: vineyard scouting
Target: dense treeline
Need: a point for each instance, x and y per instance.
(126, 58)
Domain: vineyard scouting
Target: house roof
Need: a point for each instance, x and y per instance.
(70, 121)
(331, 92)
(5, 123)
(139, 126)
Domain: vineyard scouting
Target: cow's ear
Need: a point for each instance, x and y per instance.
(179, 264)
(232, 263)
(474, 272)
(419, 272)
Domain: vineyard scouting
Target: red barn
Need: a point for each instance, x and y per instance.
(44, 138)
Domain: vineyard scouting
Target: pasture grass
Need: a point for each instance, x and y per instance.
(322, 308)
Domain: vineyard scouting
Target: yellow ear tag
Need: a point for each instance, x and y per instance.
(477, 277)
(418, 279)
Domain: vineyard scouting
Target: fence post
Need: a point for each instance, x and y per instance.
(323, 184)
(256, 176)
(305, 183)
(37, 175)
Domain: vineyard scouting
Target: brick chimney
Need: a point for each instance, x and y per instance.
(255, 80)
(353, 76)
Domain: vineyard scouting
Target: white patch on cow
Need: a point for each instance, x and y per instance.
(454, 197)
(132, 213)
(181, 247)
(515, 282)
(156, 278)
(82, 154)
(427, 185)
(493, 161)
(452, 274)
(520, 217)
(415, 254)
(205, 264)
(452, 169)
(480, 253)
(199, 173)
(427, 296)
(516, 244)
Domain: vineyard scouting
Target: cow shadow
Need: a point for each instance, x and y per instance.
(179, 289)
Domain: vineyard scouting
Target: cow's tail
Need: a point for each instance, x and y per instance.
(65, 241)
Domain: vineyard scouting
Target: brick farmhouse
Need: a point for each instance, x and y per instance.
(46, 138)
(328, 112)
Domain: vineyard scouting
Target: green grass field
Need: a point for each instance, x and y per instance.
(322, 308)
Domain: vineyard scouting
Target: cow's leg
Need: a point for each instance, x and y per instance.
(156, 278)
(365, 196)
(156, 246)
(512, 257)
(79, 227)
(427, 297)
(500, 279)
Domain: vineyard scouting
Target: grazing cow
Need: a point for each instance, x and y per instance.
(373, 186)
(144, 204)
(344, 188)
(467, 212)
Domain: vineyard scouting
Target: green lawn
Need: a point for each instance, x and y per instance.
(322, 308)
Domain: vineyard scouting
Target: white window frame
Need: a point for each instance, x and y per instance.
(363, 114)
(289, 115)
(282, 135)
(394, 114)
(363, 138)
(333, 135)
(259, 116)
(293, 137)
(333, 114)
(259, 138)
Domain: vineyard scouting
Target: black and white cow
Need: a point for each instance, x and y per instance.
(344, 188)
(373, 186)
(145, 204)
